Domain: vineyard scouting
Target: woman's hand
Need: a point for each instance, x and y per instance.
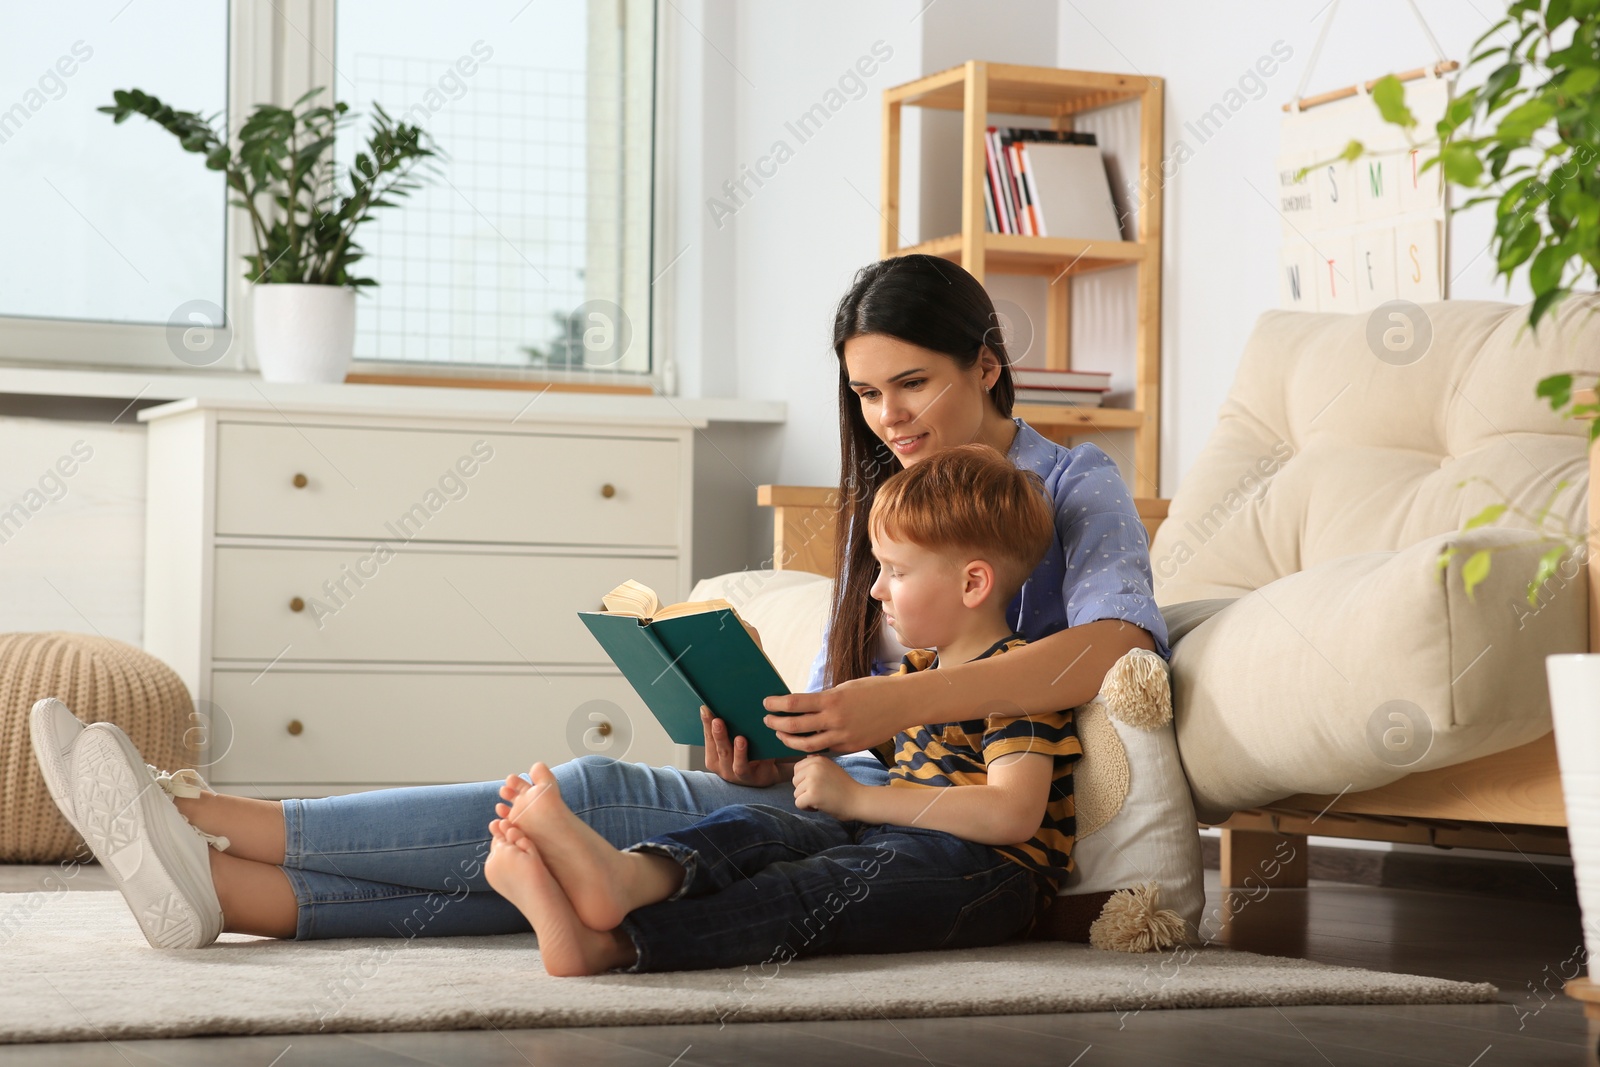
(727, 757)
(822, 785)
(849, 717)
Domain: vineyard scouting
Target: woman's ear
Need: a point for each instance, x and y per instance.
(991, 367)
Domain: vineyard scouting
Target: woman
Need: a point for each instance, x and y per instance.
(921, 367)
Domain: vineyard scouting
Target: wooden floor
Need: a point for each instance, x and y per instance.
(1520, 945)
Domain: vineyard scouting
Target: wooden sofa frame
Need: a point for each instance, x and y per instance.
(1508, 801)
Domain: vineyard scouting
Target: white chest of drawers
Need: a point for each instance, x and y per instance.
(360, 600)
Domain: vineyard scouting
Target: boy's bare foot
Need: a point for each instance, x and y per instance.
(566, 946)
(603, 884)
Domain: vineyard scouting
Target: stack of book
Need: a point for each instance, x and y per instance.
(1085, 388)
(1048, 183)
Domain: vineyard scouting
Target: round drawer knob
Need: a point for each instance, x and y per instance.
(297, 604)
(608, 490)
(603, 728)
(299, 481)
(296, 728)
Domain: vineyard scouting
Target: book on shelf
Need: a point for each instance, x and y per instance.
(1089, 398)
(678, 657)
(1050, 378)
(1070, 192)
(1011, 196)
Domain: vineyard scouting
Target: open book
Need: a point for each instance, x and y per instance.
(680, 656)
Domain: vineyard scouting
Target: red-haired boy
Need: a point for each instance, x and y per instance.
(971, 836)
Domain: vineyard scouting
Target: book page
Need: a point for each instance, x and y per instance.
(632, 598)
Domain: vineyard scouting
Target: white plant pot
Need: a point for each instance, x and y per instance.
(303, 333)
(1575, 707)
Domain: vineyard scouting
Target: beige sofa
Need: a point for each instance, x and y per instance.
(1326, 678)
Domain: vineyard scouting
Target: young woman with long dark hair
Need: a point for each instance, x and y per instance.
(922, 366)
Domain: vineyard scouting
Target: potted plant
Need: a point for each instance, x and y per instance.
(282, 170)
(1528, 139)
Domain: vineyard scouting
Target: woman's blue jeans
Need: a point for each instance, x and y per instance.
(765, 886)
(409, 862)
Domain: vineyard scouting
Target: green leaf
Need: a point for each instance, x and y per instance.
(1518, 246)
(1503, 79)
(1486, 516)
(1475, 570)
(1544, 303)
(1520, 122)
(1461, 164)
(1578, 82)
(1547, 567)
(1390, 96)
(1545, 273)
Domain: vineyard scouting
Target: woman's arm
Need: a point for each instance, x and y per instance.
(1005, 811)
(1061, 671)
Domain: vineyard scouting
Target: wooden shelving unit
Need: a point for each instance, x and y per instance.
(977, 90)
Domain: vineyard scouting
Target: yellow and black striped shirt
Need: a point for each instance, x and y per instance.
(957, 753)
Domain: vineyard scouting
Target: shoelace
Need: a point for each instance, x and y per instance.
(186, 782)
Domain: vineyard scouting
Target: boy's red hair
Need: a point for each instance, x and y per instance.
(970, 498)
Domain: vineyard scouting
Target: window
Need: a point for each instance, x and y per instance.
(530, 248)
(104, 222)
(528, 251)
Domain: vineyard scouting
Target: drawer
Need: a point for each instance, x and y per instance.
(417, 605)
(402, 485)
(359, 729)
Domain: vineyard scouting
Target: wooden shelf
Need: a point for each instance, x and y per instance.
(1010, 253)
(1083, 418)
(977, 90)
(1015, 90)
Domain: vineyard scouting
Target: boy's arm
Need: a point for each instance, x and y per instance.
(1006, 811)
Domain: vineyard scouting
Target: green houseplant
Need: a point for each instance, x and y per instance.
(1528, 140)
(280, 169)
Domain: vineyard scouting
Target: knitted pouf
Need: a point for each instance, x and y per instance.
(101, 681)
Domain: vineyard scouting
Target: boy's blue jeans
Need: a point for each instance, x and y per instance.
(409, 862)
(764, 886)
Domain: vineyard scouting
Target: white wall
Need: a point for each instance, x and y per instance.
(774, 269)
(1221, 236)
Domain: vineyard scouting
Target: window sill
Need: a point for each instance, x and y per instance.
(236, 389)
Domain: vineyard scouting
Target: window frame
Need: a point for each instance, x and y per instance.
(277, 49)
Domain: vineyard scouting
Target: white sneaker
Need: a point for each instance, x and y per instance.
(157, 858)
(54, 731)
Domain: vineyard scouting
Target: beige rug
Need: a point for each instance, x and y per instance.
(74, 967)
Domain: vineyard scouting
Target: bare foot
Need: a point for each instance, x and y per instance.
(515, 786)
(566, 946)
(603, 884)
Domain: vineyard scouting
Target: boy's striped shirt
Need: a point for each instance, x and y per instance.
(957, 753)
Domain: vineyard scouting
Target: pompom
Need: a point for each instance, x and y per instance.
(1133, 921)
(1137, 691)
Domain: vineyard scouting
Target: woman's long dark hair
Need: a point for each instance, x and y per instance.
(931, 303)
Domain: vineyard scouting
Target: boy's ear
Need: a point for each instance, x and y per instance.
(977, 582)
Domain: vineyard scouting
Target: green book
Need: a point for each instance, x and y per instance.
(685, 655)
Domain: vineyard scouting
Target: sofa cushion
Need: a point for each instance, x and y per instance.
(1323, 449)
(1361, 669)
(1152, 837)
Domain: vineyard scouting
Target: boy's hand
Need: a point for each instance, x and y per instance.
(822, 785)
